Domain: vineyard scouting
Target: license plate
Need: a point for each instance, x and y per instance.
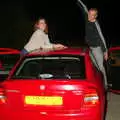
(43, 100)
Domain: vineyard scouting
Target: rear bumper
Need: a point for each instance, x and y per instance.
(32, 115)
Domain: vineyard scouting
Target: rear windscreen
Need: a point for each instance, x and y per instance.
(52, 67)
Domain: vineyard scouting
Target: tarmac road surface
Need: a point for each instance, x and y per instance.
(113, 112)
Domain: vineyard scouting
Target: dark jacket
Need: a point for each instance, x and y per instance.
(93, 38)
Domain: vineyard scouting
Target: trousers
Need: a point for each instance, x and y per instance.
(97, 57)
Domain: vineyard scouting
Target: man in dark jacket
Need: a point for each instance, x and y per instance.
(95, 39)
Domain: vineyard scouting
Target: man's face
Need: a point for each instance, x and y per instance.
(92, 14)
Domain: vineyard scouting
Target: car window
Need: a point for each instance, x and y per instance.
(52, 67)
(115, 53)
(7, 61)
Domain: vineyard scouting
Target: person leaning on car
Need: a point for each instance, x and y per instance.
(39, 39)
(95, 39)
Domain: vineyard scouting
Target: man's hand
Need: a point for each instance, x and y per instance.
(106, 56)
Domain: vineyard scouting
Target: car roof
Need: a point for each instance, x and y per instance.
(70, 51)
(114, 48)
(9, 51)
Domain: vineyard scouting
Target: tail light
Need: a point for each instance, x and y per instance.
(2, 95)
(91, 98)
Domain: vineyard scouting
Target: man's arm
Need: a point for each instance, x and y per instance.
(103, 43)
(101, 35)
(82, 5)
(84, 9)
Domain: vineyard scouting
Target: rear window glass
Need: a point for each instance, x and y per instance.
(52, 67)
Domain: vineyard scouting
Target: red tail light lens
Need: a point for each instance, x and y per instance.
(2, 96)
(91, 98)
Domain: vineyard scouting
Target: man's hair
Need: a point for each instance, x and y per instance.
(94, 9)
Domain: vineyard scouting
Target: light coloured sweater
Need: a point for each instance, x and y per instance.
(38, 40)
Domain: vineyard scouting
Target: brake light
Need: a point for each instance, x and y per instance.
(91, 98)
(2, 96)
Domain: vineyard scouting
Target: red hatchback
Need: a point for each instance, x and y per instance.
(54, 85)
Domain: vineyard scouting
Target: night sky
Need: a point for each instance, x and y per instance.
(65, 20)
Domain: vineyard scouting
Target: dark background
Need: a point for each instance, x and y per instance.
(65, 20)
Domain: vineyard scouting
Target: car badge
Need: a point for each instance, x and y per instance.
(42, 87)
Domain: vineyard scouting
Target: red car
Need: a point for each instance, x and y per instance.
(54, 85)
(8, 57)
